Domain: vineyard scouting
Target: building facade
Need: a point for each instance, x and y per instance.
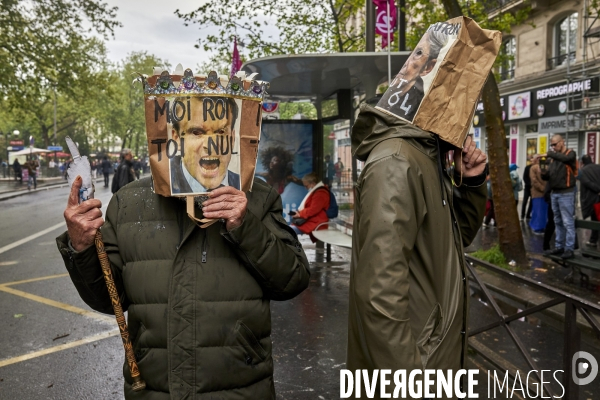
(551, 83)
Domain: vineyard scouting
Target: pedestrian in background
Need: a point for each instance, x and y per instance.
(539, 211)
(527, 204)
(32, 165)
(124, 174)
(589, 177)
(490, 214)
(106, 167)
(517, 183)
(18, 171)
(561, 173)
(329, 170)
(137, 166)
(339, 168)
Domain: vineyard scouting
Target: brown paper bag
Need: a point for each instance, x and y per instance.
(203, 131)
(438, 87)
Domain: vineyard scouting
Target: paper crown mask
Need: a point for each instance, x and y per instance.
(203, 130)
(438, 87)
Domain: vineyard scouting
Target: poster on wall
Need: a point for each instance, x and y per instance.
(531, 147)
(514, 129)
(542, 144)
(514, 143)
(591, 145)
(285, 155)
(519, 106)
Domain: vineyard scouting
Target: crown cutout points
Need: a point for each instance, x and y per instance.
(240, 86)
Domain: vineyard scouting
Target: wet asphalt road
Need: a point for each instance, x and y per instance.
(52, 346)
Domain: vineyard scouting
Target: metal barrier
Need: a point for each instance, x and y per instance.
(572, 334)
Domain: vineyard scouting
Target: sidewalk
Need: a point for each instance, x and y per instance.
(9, 188)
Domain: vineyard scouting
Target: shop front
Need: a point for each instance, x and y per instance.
(532, 116)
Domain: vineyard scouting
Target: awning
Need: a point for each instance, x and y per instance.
(26, 151)
(312, 76)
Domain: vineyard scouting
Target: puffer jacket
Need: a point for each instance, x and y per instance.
(408, 284)
(197, 299)
(314, 211)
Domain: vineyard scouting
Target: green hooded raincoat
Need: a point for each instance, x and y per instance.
(408, 287)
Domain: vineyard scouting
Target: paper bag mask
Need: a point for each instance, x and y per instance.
(438, 87)
(203, 131)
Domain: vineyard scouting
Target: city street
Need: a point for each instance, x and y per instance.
(52, 346)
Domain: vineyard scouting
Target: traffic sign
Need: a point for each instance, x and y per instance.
(15, 148)
(55, 148)
(16, 143)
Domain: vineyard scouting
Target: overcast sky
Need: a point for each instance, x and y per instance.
(151, 25)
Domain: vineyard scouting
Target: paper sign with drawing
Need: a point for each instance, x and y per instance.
(438, 87)
(203, 131)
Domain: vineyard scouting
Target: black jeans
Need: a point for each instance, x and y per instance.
(526, 199)
(550, 227)
(106, 179)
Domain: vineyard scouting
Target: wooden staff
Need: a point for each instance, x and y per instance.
(138, 383)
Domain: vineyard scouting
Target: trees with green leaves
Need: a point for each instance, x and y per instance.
(45, 43)
(266, 27)
(50, 51)
(122, 108)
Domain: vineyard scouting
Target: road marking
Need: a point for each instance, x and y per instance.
(7, 263)
(42, 278)
(57, 304)
(30, 238)
(35, 354)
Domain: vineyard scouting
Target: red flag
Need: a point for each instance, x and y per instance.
(236, 62)
(383, 22)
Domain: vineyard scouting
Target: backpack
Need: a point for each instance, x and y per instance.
(333, 209)
(574, 171)
(517, 183)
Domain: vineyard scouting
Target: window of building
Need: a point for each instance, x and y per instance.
(508, 54)
(531, 128)
(565, 41)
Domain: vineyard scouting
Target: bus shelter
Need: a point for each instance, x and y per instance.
(336, 84)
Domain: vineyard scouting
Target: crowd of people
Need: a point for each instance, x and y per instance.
(550, 190)
(29, 171)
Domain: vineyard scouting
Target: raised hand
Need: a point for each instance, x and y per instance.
(226, 203)
(471, 160)
(83, 220)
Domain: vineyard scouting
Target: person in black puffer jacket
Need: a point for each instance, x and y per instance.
(198, 300)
